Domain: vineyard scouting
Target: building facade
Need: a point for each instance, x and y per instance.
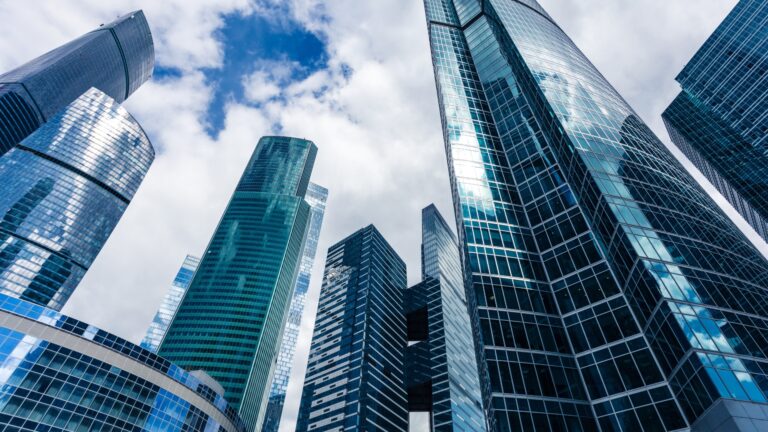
(60, 374)
(316, 198)
(354, 378)
(116, 58)
(65, 187)
(612, 293)
(720, 118)
(230, 322)
(170, 304)
(441, 367)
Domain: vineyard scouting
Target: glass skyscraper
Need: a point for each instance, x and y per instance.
(441, 368)
(61, 374)
(170, 304)
(611, 292)
(230, 322)
(720, 119)
(116, 58)
(354, 378)
(64, 188)
(316, 197)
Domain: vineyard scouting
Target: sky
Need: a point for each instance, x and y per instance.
(353, 76)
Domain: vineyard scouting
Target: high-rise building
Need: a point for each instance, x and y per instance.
(230, 322)
(720, 119)
(170, 304)
(354, 378)
(65, 187)
(611, 291)
(116, 58)
(316, 197)
(441, 368)
(61, 374)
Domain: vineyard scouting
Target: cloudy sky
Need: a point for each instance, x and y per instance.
(353, 76)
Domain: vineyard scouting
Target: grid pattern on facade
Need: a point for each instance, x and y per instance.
(170, 304)
(316, 198)
(355, 378)
(231, 320)
(65, 188)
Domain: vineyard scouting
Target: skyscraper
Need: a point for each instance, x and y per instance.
(720, 119)
(354, 378)
(116, 58)
(441, 368)
(611, 291)
(170, 304)
(230, 322)
(65, 187)
(316, 198)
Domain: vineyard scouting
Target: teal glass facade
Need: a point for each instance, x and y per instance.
(598, 269)
(355, 378)
(65, 188)
(316, 198)
(230, 322)
(720, 119)
(116, 58)
(60, 374)
(170, 304)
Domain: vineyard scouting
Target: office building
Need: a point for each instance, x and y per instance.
(116, 58)
(170, 304)
(61, 374)
(720, 118)
(611, 291)
(316, 197)
(441, 367)
(65, 187)
(230, 322)
(354, 378)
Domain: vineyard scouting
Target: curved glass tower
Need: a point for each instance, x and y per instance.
(610, 290)
(65, 187)
(230, 322)
(116, 58)
(316, 197)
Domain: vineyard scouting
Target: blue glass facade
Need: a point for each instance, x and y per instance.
(116, 58)
(60, 374)
(231, 320)
(316, 197)
(443, 361)
(65, 187)
(599, 270)
(170, 304)
(355, 378)
(720, 119)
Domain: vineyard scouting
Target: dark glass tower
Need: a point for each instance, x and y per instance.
(611, 292)
(64, 188)
(720, 119)
(441, 368)
(354, 378)
(231, 319)
(316, 197)
(116, 58)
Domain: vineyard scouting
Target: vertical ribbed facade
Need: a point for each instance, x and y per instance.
(316, 198)
(169, 306)
(354, 379)
(65, 188)
(720, 119)
(116, 58)
(230, 322)
(612, 293)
